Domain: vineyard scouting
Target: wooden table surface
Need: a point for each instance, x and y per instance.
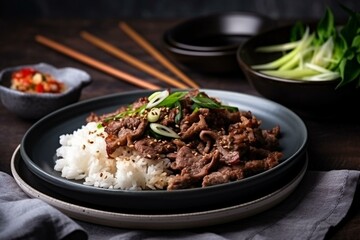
(334, 141)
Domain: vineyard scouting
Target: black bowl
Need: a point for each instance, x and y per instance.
(206, 62)
(209, 43)
(217, 32)
(313, 96)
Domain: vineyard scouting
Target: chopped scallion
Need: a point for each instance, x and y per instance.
(153, 115)
(156, 98)
(328, 53)
(163, 130)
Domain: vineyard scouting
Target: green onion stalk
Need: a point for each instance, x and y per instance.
(327, 53)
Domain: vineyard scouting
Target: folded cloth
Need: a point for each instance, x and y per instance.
(24, 218)
(321, 201)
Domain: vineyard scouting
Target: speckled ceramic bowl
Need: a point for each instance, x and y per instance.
(34, 105)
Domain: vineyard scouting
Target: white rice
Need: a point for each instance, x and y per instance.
(82, 156)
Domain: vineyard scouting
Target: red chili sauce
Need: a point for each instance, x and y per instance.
(32, 81)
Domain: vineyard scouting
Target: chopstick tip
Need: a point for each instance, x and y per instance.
(123, 25)
(39, 37)
(83, 33)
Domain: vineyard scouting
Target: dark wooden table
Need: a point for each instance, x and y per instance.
(334, 141)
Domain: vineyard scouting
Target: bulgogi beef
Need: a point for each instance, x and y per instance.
(209, 144)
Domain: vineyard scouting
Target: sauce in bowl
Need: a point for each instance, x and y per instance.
(33, 81)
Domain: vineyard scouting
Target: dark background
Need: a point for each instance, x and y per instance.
(152, 9)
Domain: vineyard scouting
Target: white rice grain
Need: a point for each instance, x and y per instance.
(82, 156)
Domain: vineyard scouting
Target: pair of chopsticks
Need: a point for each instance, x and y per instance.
(125, 57)
(156, 54)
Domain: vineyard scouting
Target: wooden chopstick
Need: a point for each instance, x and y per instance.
(155, 53)
(95, 63)
(130, 59)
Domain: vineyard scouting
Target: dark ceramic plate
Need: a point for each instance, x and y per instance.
(40, 142)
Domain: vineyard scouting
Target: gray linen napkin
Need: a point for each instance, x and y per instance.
(24, 218)
(321, 201)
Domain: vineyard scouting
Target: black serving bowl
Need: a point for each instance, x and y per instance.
(312, 96)
(209, 43)
(206, 62)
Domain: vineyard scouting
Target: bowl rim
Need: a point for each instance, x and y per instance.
(217, 15)
(193, 53)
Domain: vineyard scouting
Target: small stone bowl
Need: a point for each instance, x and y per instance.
(34, 106)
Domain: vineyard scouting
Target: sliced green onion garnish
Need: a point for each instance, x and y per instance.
(172, 99)
(201, 101)
(156, 98)
(128, 112)
(163, 130)
(196, 108)
(317, 68)
(154, 95)
(205, 102)
(179, 113)
(324, 76)
(279, 47)
(153, 115)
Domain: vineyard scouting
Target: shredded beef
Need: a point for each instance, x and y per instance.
(153, 148)
(194, 129)
(124, 132)
(215, 145)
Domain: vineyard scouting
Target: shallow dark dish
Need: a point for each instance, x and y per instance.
(34, 106)
(304, 95)
(209, 43)
(45, 135)
(218, 62)
(216, 32)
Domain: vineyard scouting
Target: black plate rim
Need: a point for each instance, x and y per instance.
(123, 216)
